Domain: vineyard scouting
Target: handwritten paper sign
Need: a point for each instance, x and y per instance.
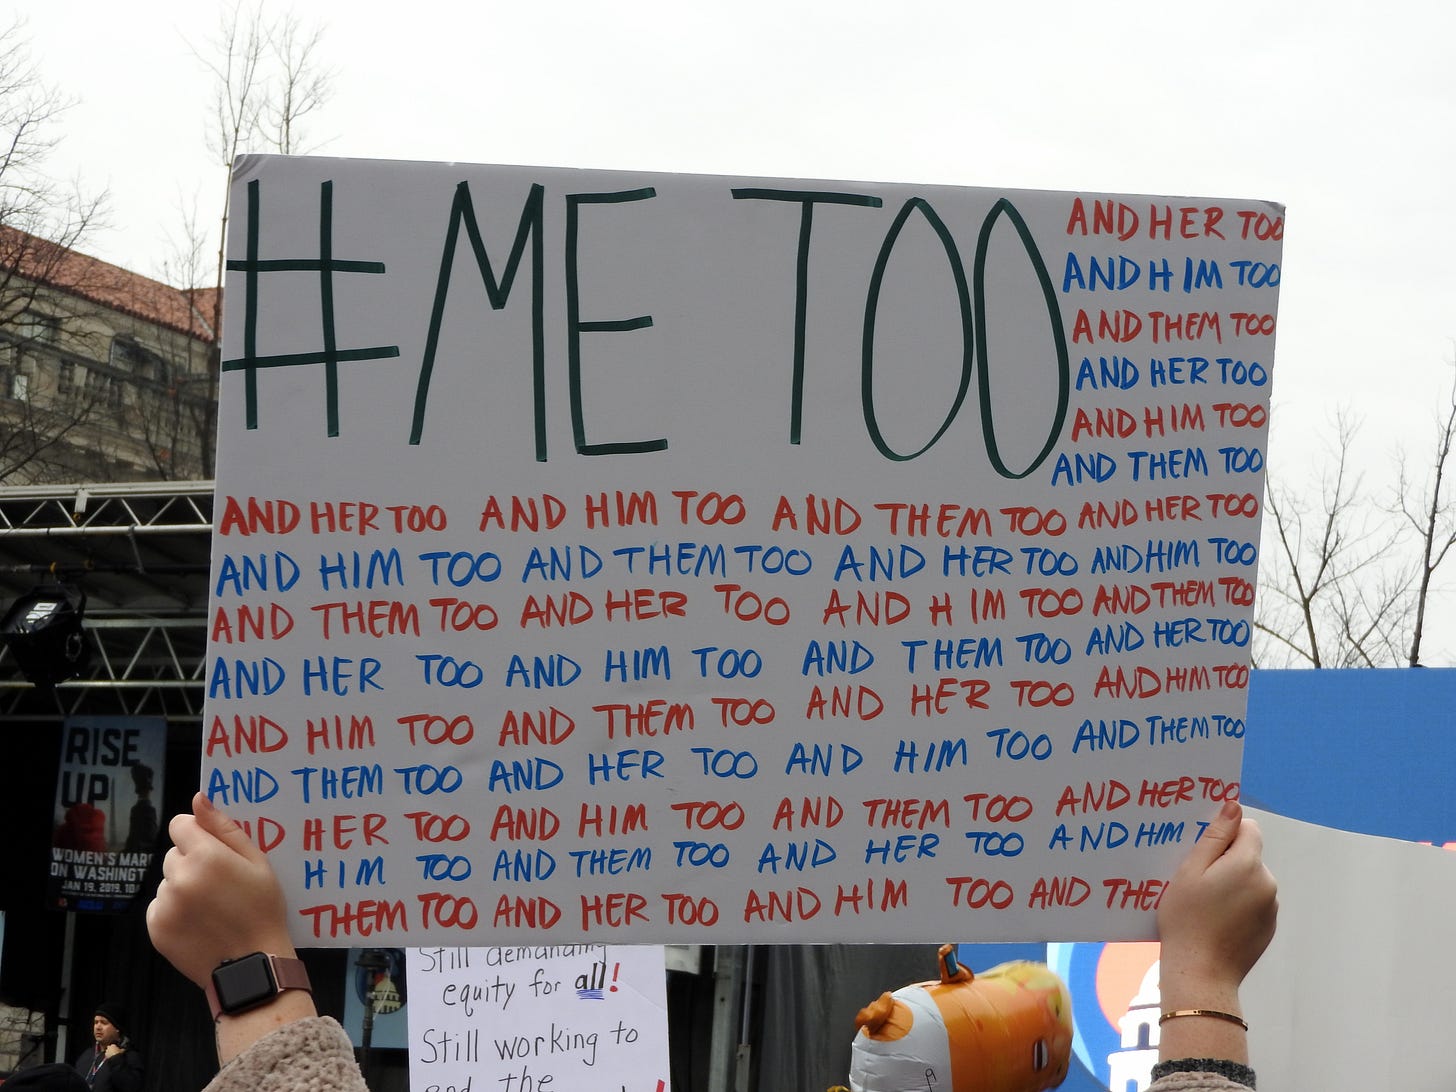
(667, 558)
(538, 1019)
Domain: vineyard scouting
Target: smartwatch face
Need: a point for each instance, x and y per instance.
(244, 982)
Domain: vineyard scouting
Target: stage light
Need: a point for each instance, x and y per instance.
(42, 630)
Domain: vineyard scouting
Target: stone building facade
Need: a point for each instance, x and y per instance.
(105, 375)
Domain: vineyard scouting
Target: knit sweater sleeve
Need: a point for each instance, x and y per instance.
(1196, 1082)
(305, 1056)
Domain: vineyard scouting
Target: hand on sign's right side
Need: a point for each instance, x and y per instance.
(1215, 919)
(1218, 912)
(218, 898)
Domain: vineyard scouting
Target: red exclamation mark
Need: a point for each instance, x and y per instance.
(616, 970)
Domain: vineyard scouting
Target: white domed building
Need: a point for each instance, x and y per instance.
(1130, 1067)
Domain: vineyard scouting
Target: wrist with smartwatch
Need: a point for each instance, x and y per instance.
(253, 980)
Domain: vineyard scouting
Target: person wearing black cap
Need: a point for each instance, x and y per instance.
(111, 1065)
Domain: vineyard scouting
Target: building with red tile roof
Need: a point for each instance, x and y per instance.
(105, 375)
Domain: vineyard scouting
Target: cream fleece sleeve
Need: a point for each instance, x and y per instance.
(312, 1055)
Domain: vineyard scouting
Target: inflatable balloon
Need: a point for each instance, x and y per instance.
(1008, 1029)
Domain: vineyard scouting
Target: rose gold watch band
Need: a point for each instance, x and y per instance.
(288, 974)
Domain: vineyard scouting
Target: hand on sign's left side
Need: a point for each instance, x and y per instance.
(218, 899)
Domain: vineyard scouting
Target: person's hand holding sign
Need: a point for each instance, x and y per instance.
(1215, 920)
(219, 901)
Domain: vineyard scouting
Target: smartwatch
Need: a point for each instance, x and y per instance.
(255, 979)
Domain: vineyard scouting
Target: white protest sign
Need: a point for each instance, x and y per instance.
(1346, 957)
(542, 1019)
(668, 558)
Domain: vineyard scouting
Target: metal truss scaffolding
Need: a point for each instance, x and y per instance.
(140, 553)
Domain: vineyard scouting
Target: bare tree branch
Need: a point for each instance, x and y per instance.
(267, 78)
(1430, 513)
(1333, 589)
(301, 86)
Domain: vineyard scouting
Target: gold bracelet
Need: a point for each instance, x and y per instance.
(1215, 1013)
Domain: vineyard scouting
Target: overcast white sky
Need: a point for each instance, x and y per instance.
(1343, 111)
